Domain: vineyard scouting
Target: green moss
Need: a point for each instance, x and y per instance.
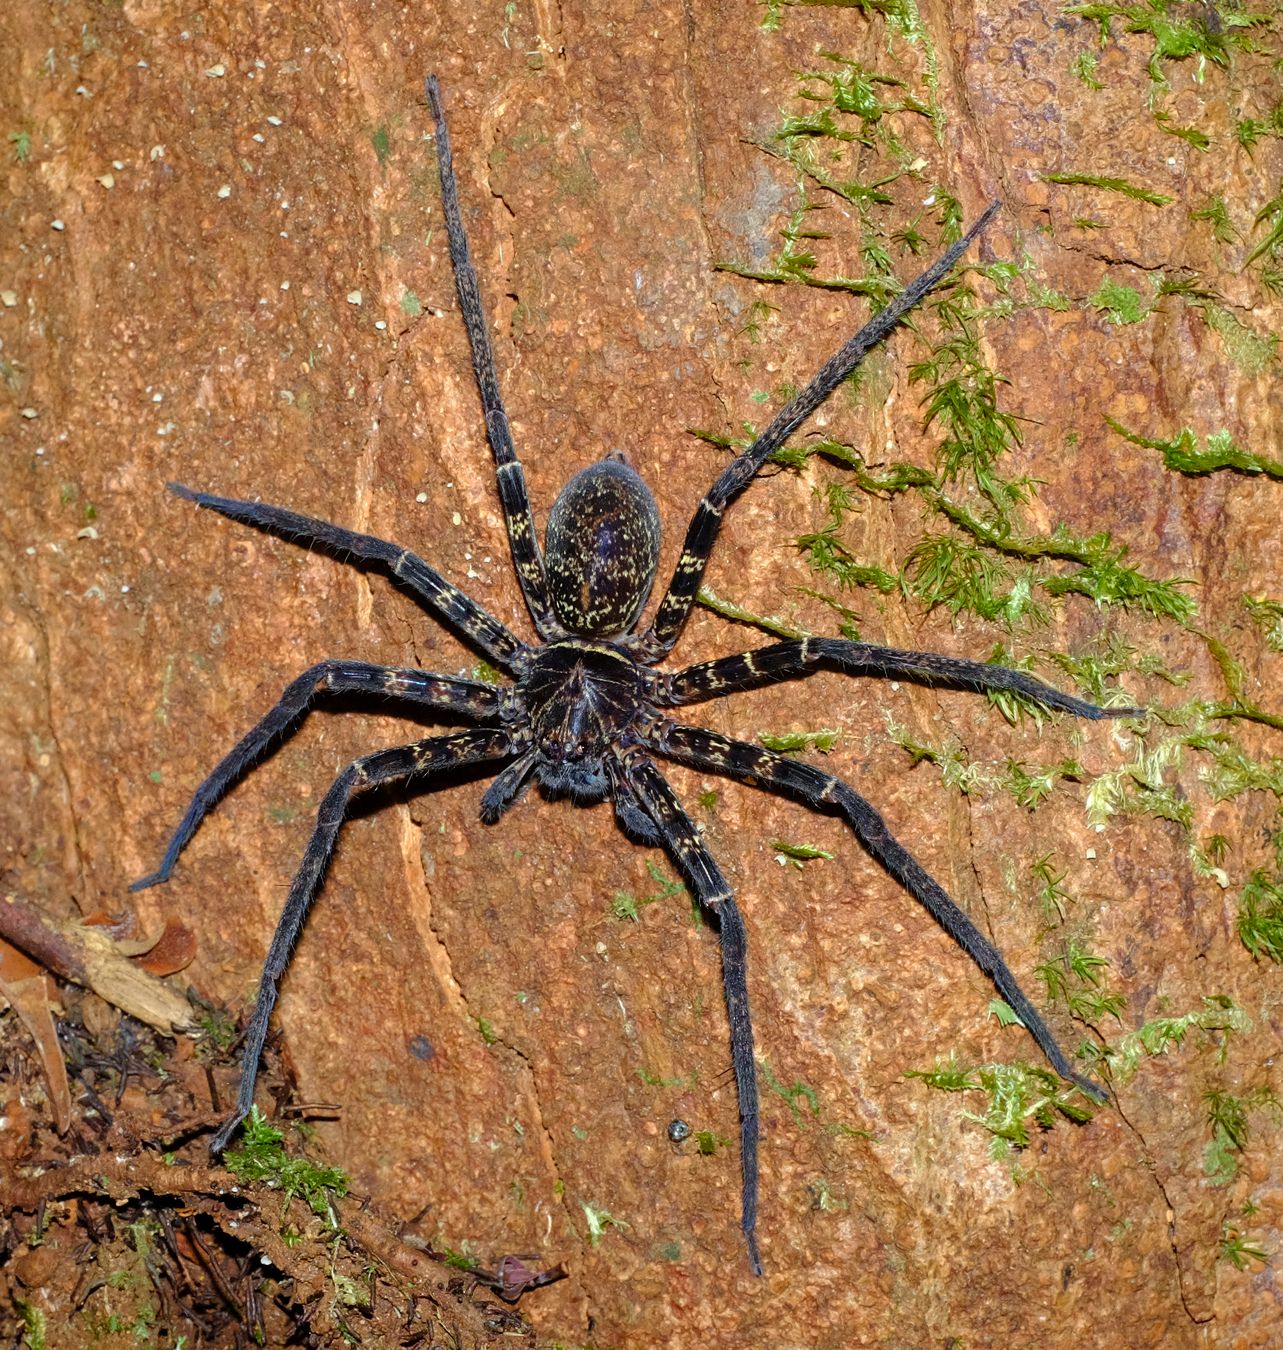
(1250, 350)
(1200, 140)
(262, 1158)
(1053, 897)
(799, 1091)
(1249, 130)
(1019, 1098)
(1216, 213)
(827, 555)
(1260, 915)
(217, 1031)
(960, 399)
(34, 1325)
(797, 854)
(1084, 67)
(950, 758)
(1107, 184)
(1228, 1117)
(1075, 978)
(707, 1142)
(1205, 33)
(1108, 582)
(598, 1221)
(1122, 304)
(1270, 216)
(1217, 1018)
(793, 741)
(1031, 786)
(1185, 455)
(1268, 617)
(627, 906)
(1239, 1250)
(777, 627)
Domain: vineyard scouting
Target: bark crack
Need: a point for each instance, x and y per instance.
(441, 965)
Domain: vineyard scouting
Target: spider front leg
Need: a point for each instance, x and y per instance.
(424, 582)
(513, 494)
(787, 660)
(464, 698)
(736, 759)
(383, 767)
(739, 473)
(648, 786)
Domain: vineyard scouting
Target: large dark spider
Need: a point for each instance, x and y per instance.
(585, 712)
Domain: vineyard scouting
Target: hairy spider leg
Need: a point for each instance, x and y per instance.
(700, 536)
(718, 754)
(688, 850)
(397, 764)
(789, 660)
(425, 583)
(513, 494)
(461, 698)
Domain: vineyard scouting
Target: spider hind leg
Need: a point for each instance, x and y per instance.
(822, 791)
(370, 771)
(636, 771)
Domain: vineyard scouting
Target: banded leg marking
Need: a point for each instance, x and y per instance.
(707, 750)
(737, 475)
(650, 787)
(465, 698)
(437, 594)
(513, 493)
(384, 766)
(788, 660)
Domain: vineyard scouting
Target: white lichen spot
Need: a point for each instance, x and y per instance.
(224, 192)
(216, 72)
(354, 298)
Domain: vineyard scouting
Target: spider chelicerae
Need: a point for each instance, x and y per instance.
(585, 713)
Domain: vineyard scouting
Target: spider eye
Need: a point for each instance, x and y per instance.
(602, 549)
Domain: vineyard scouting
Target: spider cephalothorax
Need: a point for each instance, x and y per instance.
(585, 713)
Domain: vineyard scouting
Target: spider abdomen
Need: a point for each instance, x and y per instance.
(602, 549)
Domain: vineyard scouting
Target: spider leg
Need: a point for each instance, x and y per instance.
(707, 750)
(438, 595)
(787, 660)
(513, 494)
(636, 770)
(467, 698)
(737, 475)
(384, 766)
